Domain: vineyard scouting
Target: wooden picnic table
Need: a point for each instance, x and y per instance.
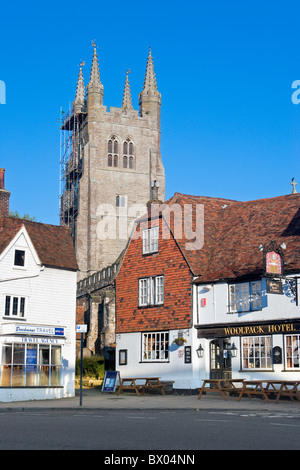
(220, 386)
(253, 387)
(288, 388)
(277, 387)
(141, 384)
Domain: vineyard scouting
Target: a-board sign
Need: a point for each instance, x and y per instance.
(111, 381)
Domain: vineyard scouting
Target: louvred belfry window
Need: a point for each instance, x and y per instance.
(113, 152)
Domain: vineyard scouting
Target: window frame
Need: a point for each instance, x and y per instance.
(161, 341)
(43, 373)
(151, 291)
(19, 255)
(128, 154)
(16, 303)
(113, 152)
(150, 240)
(249, 300)
(290, 358)
(258, 353)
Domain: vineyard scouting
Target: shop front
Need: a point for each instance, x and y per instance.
(252, 350)
(33, 360)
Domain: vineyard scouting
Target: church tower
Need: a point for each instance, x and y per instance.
(109, 161)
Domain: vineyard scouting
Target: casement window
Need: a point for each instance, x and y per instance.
(19, 258)
(34, 365)
(156, 346)
(245, 297)
(151, 291)
(150, 240)
(14, 306)
(292, 351)
(257, 352)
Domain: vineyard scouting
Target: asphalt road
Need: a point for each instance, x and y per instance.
(150, 430)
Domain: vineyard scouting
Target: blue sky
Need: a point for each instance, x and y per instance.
(224, 69)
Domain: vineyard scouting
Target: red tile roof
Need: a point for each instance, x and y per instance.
(234, 230)
(52, 243)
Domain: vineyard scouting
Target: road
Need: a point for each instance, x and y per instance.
(150, 430)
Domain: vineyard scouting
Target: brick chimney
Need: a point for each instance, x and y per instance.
(4, 196)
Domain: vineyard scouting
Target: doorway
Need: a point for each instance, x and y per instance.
(220, 359)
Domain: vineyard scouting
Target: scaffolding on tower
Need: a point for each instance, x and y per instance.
(71, 158)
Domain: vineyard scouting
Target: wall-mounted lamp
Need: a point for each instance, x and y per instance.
(233, 350)
(200, 351)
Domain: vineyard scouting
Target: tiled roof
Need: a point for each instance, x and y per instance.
(233, 232)
(52, 243)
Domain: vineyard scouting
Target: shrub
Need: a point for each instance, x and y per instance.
(92, 367)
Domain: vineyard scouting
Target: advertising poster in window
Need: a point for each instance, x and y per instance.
(31, 358)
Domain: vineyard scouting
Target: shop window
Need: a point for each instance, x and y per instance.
(37, 365)
(257, 352)
(14, 306)
(245, 297)
(150, 240)
(156, 346)
(151, 291)
(292, 351)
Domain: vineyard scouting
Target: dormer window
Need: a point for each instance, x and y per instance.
(19, 258)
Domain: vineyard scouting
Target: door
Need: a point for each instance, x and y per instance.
(220, 359)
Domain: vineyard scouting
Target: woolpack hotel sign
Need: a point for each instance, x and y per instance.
(251, 329)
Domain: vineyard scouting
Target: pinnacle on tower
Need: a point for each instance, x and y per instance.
(78, 103)
(127, 103)
(95, 82)
(150, 98)
(150, 86)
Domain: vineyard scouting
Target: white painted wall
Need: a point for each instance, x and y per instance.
(50, 301)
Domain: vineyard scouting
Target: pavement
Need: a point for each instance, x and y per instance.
(94, 399)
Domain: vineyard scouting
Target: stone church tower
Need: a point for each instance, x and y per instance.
(109, 161)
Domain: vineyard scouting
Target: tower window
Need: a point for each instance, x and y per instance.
(121, 201)
(128, 154)
(113, 152)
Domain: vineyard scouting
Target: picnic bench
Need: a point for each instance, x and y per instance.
(141, 384)
(278, 388)
(220, 386)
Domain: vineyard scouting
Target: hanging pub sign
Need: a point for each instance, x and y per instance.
(273, 260)
(273, 263)
(274, 286)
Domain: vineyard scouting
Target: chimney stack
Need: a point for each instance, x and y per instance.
(4, 196)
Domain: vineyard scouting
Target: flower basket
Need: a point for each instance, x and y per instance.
(179, 341)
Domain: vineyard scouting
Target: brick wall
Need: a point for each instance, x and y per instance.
(176, 311)
(4, 202)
